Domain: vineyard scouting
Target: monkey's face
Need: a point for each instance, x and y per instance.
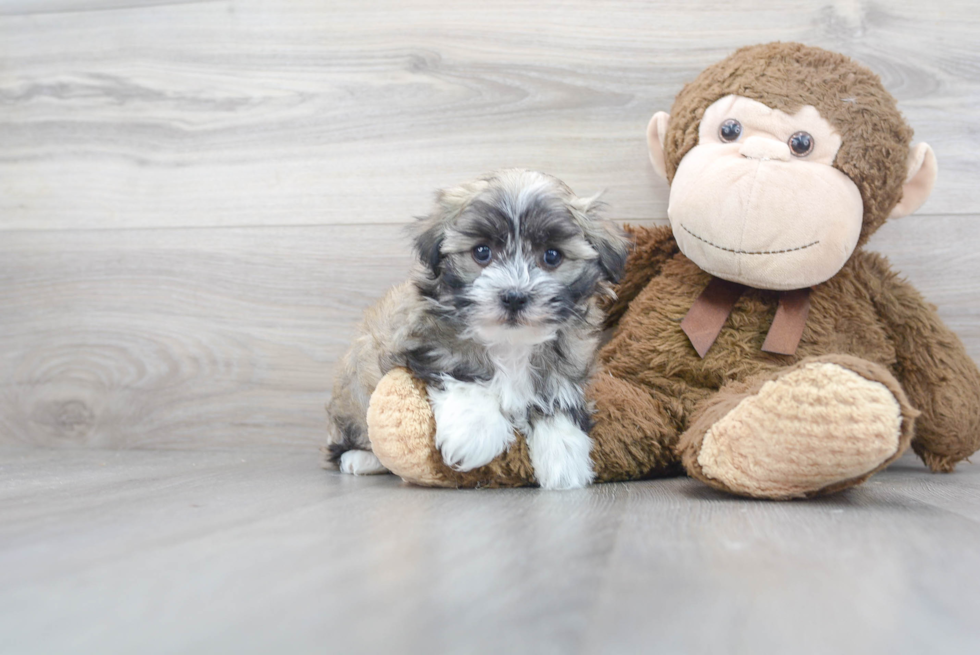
(758, 200)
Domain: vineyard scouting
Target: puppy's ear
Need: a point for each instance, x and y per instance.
(430, 231)
(428, 242)
(609, 240)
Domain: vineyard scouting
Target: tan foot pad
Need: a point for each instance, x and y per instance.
(806, 430)
(400, 427)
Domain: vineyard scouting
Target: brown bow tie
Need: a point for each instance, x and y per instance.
(708, 314)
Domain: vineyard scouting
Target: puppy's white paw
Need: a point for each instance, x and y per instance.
(560, 453)
(360, 462)
(470, 429)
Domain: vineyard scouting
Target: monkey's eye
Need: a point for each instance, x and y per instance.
(801, 144)
(482, 254)
(730, 130)
(552, 258)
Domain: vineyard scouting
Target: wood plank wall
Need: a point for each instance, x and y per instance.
(198, 199)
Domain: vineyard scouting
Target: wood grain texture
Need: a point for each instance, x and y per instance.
(248, 552)
(178, 337)
(150, 114)
(204, 338)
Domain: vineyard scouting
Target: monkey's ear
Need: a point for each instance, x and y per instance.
(656, 132)
(919, 181)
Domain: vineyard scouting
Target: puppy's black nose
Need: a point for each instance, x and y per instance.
(514, 301)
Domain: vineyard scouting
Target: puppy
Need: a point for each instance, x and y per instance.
(500, 320)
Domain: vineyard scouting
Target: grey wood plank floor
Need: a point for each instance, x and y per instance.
(244, 551)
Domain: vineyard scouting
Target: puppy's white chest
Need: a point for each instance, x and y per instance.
(513, 382)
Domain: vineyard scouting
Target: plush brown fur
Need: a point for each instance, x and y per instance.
(864, 311)
(655, 398)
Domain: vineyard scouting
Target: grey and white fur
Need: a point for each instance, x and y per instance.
(500, 319)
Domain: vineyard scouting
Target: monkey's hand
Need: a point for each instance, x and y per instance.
(935, 370)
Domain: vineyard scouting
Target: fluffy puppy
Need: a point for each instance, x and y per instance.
(501, 321)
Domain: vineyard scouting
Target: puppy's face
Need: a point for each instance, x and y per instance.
(517, 255)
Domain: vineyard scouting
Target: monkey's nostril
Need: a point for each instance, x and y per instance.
(514, 301)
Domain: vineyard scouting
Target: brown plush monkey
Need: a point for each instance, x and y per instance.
(757, 346)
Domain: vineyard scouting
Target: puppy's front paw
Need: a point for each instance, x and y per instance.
(560, 453)
(470, 430)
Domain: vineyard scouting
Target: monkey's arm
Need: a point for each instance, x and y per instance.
(653, 247)
(934, 368)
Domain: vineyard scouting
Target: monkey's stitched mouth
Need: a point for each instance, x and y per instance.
(748, 252)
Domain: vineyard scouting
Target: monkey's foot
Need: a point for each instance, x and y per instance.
(820, 426)
(402, 431)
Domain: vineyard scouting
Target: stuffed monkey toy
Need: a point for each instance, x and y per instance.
(757, 346)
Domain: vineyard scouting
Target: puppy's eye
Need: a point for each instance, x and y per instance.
(482, 254)
(552, 258)
(730, 130)
(801, 144)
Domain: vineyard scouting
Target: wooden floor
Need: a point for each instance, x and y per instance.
(199, 198)
(244, 551)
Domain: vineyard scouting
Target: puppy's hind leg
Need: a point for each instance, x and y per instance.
(357, 375)
(346, 449)
(361, 462)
